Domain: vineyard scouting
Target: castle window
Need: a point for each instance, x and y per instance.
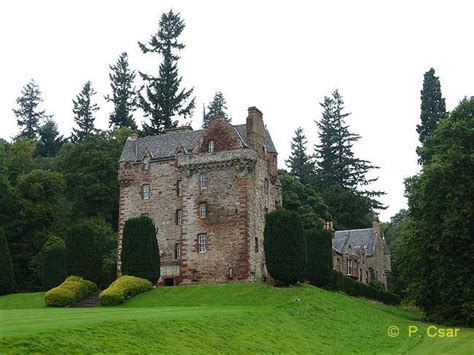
(349, 267)
(210, 146)
(146, 192)
(179, 186)
(203, 181)
(195, 275)
(266, 187)
(366, 277)
(360, 275)
(256, 244)
(202, 243)
(146, 163)
(179, 217)
(203, 210)
(231, 273)
(177, 251)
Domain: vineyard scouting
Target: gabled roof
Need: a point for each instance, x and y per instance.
(164, 146)
(356, 238)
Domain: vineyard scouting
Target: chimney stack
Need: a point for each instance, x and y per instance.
(256, 130)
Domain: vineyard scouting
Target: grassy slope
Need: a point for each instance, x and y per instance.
(219, 318)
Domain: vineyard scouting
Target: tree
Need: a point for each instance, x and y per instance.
(7, 283)
(53, 263)
(20, 157)
(124, 94)
(299, 163)
(140, 251)
(83, 111)
(438, 250)
(29, 117)
(164, 99)
(217, 108)
(284, 246)
(50, 141)
(319, 257)
(88, 243)
(433, 108)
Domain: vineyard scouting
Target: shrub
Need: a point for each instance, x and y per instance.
(284, 246)
(53, 262)
(140, 253)
(122, 288)
(7, 283)
(318, 257)
(72, 290)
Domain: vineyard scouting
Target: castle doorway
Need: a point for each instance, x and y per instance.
(168, 282)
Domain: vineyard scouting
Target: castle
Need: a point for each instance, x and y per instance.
(208, 192)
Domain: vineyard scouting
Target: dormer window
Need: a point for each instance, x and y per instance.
(146, 163)
(210, 146)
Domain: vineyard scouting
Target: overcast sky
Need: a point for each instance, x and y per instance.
(281, 56)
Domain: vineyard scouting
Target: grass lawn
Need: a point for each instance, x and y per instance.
(230, 318)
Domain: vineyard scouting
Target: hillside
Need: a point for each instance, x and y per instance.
(219, 318)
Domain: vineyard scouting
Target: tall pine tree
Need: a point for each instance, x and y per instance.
(29, 117)
(299, 163)
(433, 108)
(124, 95)
(217, 108)
(164, 100)
(84, 110)
(50, 141)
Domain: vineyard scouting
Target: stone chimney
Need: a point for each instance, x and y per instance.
(134, 136)
(376, 225)
(256, 130)
(328, 225)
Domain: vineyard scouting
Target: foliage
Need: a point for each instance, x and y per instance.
(216, 108)
(50, 141)
(72, 290)
(165, 100)
(300, 164)
(20, 157)
(301, 199)
(433, 108)
(53, 262)
(7, 282)
(84, 110)
(87, 244)
(140, 253)
(124, 95)
(123, 288)
(318, 257)
(284, 246)
(438, 252)
(29, 118)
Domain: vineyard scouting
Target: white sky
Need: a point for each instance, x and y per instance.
(282, 57)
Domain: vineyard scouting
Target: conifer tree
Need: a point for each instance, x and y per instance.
(84, 110)
(217, 108)
(124, 95)
(299, 162)
(50, 141)
(164, 101)
(29, 117)
(433, 108)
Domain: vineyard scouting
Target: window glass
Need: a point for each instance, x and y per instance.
(146, 192)
(203, 180)
(202, 242)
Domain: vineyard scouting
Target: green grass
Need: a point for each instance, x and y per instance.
(231, 318)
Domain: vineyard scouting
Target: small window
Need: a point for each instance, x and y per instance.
(146, 192)
(360, 275)
(203, 210)
(202, 242)
(179, 217)
(210, 146)
(266, 187)
(264, 150)
(195, 275)
(179, 186)
(177, 251)
(231, 273)
(203, 181)
(146, 163)
(349, 267)
(256, 244)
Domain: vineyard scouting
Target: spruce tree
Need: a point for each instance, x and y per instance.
(164, 101)
(299, 162)
(84, 110)
(217, 108)
(433, 108)
(29, 117)
(124, 94)
(50, 141)
(7, 283)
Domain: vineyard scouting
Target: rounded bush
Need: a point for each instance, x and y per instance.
(72, 290)
(124, 287)
(59, 297)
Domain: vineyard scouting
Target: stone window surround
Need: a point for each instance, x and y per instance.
(256, 245)
(210, 146)
(179, 217)
(179, 187)
(349, 267)
(202, 243)
(146, 191)
(146, 163)
(203, 182)
(177, 251)
(203, 210)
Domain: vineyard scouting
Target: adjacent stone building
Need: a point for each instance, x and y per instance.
(207, 192)
(362, 254)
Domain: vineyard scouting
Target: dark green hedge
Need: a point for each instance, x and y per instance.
(358, 289)
(53, 263)
(318, 257)
(7, 283)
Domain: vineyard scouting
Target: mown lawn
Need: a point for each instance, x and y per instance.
(231, 318)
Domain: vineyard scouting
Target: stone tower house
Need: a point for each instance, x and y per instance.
(207, 192)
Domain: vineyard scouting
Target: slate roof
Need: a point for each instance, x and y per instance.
(357, 238)
(164, 146)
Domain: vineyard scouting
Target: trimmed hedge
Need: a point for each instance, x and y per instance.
(318, 257)
(123, 288)
(72, 290)
(358, 289)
